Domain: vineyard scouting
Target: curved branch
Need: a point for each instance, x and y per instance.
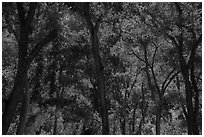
(170, 81)
(167, 78)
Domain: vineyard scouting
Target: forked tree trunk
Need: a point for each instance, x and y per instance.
(24, 61)
(185, 68)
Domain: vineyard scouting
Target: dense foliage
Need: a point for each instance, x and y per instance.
(101, 68)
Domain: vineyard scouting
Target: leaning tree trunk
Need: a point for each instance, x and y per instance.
(15, 95)
(20, 79)
(24, 61)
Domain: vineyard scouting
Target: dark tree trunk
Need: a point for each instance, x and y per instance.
(100, 81)
(123, 125)
(143, 110)
(11, 105)
(133, 121)
(185, 68)
(93, 29)
(24, 109)
(139, 131)
(20, 79)
(188, 88)
(24, 61)
(55, 126)
(196, 97)
(158, 117)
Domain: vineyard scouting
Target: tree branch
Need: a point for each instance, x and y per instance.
(195, 46)
(167, 78)
(155, 51)
(21, 13)
(155, 80)
(170, 81)
(34, 52)
(138, 56)
(31, 13)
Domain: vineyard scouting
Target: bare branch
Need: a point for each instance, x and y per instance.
(167, 78)
(138, 56)
(155, 51)
(170, 81)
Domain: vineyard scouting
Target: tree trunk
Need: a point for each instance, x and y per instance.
(20, 79)
(188, 88)
(123, 125)
(133, 121)
(191, 120)
(100, 73)
(143, 110)
(189, 103)
(14, 98)
(101, 83)
(196, 100)
(55, 126)
(24, 109)
(158, 118)
(139, 131)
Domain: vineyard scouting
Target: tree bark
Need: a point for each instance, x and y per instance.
(196, 99)
(24, 109)
(15, 96)
(19, 83)
(188, 88)
(100, 81)
(185, 68)
(158, 117)
(99, 71)
(133, 121)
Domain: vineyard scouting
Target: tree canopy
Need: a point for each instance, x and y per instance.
(130, 68)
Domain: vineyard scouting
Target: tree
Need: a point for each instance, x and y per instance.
(84, 10)
(101, 68)
(186, 38)
(25, 58)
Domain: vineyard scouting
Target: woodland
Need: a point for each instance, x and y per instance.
(101, 68)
